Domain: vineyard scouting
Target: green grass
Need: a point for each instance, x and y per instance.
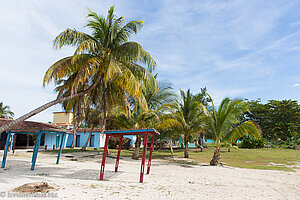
(243, 158)
(252, 158)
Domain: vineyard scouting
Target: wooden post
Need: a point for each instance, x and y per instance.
(14, 140)
(62, 141)
(104, 157)
(36, 149)
(119, 152)
(144, 158)
(150, 154)
(5, 149)
(27, 141)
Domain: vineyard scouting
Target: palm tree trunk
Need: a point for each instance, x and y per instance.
(161, 145)
(171, 146)
(74, 135)
(202, 140)
(104, 113)
(138, 141)
(88, 139)
(48, 105)
(186, 148)
(215, 160)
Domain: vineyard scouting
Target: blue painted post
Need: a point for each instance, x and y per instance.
(62, 141)
(36, 149)
(6, 149)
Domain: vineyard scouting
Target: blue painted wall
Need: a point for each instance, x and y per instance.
(82, 139)
(54, 139)
(98, 141)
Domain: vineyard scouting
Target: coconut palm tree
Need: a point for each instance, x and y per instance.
(225, 123)
(187, 118)
(5, 112)
(104, 59)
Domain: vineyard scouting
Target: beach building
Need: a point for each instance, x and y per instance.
(97, 139)
(63, 119)
(25, 134)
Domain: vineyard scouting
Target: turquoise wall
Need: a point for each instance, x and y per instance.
(83, 138)
(54, 139)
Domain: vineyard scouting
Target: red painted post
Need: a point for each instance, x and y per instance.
(119, 152)
(143, 158)
(104, 157)
(150, 154)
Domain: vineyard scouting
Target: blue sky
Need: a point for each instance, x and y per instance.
(248, 49)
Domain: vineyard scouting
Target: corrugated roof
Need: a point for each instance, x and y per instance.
(31, 127)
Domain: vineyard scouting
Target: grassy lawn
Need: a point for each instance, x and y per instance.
(283, 159)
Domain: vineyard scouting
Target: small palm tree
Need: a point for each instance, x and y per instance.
(226, 126)
(187, 118)
(5, 112)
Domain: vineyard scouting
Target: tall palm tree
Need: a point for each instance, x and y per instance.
(187, 118)
(225, 123)
(5, 112)
(105, 59)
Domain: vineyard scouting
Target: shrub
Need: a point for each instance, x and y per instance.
(250, 142)
(113, 143)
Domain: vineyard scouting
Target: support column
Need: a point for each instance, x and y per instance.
(27, 141)
(6, 149)
(143, 158)
(119, 152)
(62, 141)
(14, 140)
(150, 154)
(104, 157)
(36, 149)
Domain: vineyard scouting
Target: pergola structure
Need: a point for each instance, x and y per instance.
(35, 128)
(120, 134)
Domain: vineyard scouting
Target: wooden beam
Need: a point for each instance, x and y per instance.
(104, 157)
(150, 154)
(6, 149)
(36, 149)
(62, 141)
(143, 158)
(119, 152)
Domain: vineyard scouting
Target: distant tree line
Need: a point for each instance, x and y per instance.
(278, 120)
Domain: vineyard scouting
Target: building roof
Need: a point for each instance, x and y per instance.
(87, 130)
(63, 112)
(132, 131)
(31, 127)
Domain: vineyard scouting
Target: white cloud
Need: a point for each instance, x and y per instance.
(296, 85)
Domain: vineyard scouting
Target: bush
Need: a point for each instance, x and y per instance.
(113, 143)
(250, 142)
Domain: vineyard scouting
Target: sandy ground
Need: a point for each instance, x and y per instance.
(167, 180)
